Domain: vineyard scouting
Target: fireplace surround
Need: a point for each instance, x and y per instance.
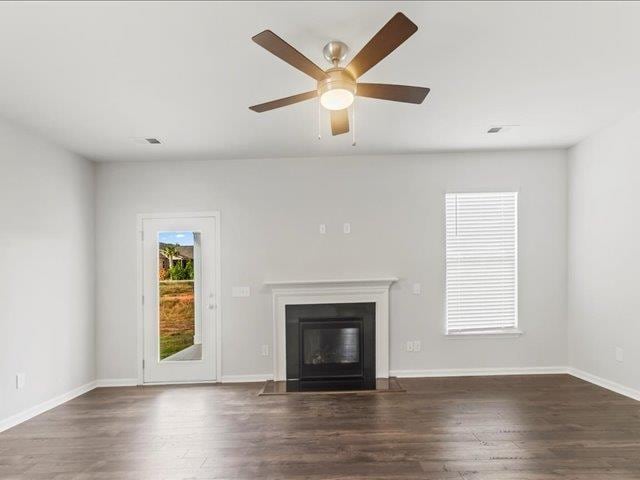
(304, 292)
(331, 346)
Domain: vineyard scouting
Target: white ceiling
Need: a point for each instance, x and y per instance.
(92, 76)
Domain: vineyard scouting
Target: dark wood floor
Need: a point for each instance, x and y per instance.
(498, 428)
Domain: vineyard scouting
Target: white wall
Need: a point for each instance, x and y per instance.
(270, 214)
(47, 315)
(604, 253)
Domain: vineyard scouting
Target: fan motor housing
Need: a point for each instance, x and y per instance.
(337, 78)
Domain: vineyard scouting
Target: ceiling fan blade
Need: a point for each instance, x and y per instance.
(395, 93)
(390, 37)
(283, 102)
(339, 121)
(281, 49)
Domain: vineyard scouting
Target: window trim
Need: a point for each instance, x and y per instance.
(509, 332)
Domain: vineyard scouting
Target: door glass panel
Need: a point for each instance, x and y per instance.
(179, 314)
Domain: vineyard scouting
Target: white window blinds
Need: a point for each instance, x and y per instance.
(481, 261)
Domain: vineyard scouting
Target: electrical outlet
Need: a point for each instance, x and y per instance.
(619, 354)
(265, 350)
(417, 289)
(409, 346)
(323, 228)
(346, 228)
(241, 291)
(21, 380)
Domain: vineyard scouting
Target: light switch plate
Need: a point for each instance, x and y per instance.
(323, 228)
(21, 380)
(241, 291)
(346, 228)
(265, 350)
(417, 289)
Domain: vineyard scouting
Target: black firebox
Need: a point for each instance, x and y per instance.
(331, 346)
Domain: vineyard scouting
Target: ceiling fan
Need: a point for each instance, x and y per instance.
(338, 86)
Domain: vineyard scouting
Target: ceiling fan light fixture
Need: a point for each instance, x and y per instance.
(336, 87)
(336, 99)
(338, 90)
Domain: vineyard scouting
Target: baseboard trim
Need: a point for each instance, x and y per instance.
(36, 410)
(132, 382)
(601, 382)
(246, 378)
(478, 372)
(116, 382)
(177, 384)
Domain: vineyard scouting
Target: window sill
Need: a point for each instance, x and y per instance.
(511, 333)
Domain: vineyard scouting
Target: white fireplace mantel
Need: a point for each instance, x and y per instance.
(304, 292)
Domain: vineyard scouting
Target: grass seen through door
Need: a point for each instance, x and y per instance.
(177, 316)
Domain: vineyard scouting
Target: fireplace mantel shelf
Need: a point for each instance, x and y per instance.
(384, 281)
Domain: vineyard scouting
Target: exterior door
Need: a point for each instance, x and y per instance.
(179, 299)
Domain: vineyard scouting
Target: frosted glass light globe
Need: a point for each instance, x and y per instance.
(336, 99)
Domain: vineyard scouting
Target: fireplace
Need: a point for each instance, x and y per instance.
(330, 346)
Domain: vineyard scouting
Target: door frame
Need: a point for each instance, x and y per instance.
(215, 214)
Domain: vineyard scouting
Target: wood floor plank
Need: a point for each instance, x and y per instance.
(547, 427)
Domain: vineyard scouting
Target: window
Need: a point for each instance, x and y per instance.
(481, 262)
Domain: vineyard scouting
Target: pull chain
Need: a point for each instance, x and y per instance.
(353, 121)
(319, 120)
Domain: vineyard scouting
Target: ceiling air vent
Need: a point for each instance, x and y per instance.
(145, 140)
(502, 128)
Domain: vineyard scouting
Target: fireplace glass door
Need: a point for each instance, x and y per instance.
(331, 348)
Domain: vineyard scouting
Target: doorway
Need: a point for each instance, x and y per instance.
(180, 280)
